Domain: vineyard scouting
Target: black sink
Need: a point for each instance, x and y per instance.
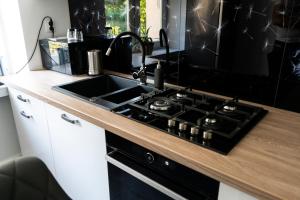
(98, 86)
(107, 91)
(128, 94)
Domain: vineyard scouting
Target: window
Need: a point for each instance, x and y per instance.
(116, 12)
(12, 43)
(134, 15)
(152, 17)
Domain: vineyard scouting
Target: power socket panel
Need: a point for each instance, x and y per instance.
(46, 26)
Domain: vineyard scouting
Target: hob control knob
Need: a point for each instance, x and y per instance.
(167, 163)
(194, 130)
(183, 126)
(150, 158)
(207, 135)
(171, 123)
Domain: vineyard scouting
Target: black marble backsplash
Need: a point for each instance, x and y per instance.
(244, 48)
(88, 15)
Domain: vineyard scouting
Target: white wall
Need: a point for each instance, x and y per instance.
(9, 144)
(32, 13)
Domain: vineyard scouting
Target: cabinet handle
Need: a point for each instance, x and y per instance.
(25, 115)
(22, 99)
(67, 119)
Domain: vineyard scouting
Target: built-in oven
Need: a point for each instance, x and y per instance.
(136, 173)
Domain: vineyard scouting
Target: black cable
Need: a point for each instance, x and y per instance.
(37, 40)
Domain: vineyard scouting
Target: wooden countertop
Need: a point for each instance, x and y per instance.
(266, 163)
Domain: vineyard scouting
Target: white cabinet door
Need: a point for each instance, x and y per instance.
(228, 193)
(30, 118)
(79, 150)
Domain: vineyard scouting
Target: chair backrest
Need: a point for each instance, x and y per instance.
(28, 178)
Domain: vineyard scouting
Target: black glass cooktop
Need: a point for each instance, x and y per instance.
(210, 122)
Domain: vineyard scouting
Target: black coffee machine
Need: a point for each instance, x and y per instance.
(71, 57)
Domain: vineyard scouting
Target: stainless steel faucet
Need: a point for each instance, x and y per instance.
(141, 74)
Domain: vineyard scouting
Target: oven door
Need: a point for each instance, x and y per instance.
(128, 180)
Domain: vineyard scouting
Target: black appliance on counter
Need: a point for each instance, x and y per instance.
(71, 57)
(137, 173)
(210, 122)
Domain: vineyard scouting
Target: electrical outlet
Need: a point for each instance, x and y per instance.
(46, 26)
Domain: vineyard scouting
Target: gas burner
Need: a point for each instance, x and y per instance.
(210, 120)
(235, 111)
(181, 98)
(181, 95)
(160, 104)
(229, 108)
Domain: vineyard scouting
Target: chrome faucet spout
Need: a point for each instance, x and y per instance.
(108, 52)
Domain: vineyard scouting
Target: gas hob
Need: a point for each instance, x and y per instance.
(204, 120)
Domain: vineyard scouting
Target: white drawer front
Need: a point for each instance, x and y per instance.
(31, 124)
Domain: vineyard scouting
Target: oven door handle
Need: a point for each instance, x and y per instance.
(144, 178)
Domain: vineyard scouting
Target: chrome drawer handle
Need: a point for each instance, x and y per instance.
(67, 119)
(25, 115)
(22, 99)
